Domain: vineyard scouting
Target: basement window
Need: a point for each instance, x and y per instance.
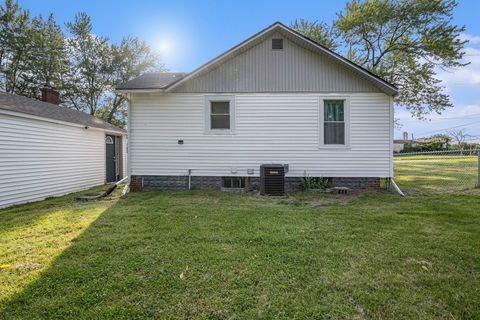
(277, 44)
(234, 183)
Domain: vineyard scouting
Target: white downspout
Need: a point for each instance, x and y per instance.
(129, 149)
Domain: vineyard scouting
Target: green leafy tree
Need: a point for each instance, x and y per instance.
(95, 67)
(442, 137)
(15, 45)
(48, 56)
(31, 51)
(89, 66)
(319, 32)
(404, 41)
(131, 58)
(85, 67)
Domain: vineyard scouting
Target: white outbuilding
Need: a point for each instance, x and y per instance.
(48, 150)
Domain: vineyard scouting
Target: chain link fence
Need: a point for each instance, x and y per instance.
(440, 171)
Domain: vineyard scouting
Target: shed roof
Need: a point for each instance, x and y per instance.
(300, 39)
(17, 103)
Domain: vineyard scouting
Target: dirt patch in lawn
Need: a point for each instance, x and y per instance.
(319, 199)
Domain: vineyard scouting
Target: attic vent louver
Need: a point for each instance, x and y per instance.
(277, 44)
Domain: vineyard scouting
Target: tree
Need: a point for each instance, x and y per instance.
(48, 53)
(85, 67)
(404, 41)
(441, 137)
(96, 67)
(459, 136)
(31, 51)
(89, 66)
(15, 45)
(319, 32)
(130, 59)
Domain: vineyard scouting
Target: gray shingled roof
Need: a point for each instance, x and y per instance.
(16, 103)
(156, 80)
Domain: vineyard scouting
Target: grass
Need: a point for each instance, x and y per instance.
(213, 255)
(436, 172)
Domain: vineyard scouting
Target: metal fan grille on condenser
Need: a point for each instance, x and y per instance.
(272, 179)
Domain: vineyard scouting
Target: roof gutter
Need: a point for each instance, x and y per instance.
(133, 90)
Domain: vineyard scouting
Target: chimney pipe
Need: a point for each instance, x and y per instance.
(50, 94)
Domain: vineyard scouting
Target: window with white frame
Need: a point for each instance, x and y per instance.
(220, 113)
(334, 122)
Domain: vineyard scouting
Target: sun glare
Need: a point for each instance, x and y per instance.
(169, 44)
(165, 47)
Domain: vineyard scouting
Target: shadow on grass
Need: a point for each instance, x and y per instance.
(76, 279)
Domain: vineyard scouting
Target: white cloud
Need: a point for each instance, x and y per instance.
(463, 86)
(461, 116)
(471, 38)
(466, 76)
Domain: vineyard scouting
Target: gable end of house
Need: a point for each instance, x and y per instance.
(276, 59)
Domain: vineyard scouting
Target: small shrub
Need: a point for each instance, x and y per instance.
(314, 183)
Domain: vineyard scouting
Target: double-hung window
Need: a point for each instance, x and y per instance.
(334, 129)
(219, 114)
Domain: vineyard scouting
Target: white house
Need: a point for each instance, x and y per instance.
(276, 98)
(48, 150)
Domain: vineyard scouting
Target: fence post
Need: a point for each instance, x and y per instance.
(478, 169)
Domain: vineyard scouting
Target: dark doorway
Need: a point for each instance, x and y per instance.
(111, 159)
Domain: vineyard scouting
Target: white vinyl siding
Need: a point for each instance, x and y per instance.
(39, 159)
(292, 69)
(269, 128)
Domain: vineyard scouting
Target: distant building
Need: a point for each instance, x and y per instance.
(399, 144)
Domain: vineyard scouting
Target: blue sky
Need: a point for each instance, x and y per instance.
(189, 33)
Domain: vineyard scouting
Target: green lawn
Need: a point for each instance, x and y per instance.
(213, 255)
(442, 173)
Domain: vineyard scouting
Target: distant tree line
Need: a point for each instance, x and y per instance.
(453, 140)
(84, 67)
